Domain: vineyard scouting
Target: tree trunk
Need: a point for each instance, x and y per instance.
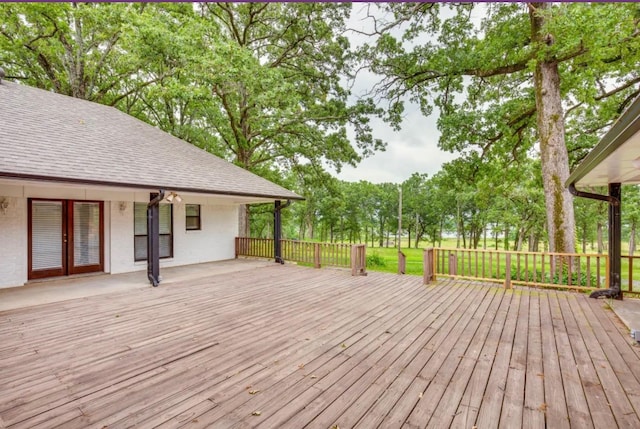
(303, 230)
(484, 233)
(506, 237)
(632, 239)
(536, 243)
(600, 238)
(533, 242)
(520, 242)
(553, 151)
(458, 225)
(244, 229)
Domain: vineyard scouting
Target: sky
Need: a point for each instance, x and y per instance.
(413, 149)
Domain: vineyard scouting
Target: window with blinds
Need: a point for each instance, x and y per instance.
(192, 217)
(86, 234)
(46, 235)
(140, 231)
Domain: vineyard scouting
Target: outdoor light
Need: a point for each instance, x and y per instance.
(173, 196)
(636, 163)
(4, 205)
(122, 206)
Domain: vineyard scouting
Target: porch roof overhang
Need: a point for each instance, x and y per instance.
(228, 196)
(616, 158)
(50, 137)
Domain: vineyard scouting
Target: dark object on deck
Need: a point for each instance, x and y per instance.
(2, 75)
(153, 237)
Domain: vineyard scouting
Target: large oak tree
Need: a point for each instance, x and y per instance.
(525, 80)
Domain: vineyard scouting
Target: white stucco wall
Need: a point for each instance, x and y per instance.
(13, 240)
(215, 240)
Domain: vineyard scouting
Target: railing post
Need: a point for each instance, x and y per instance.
(402, 263)
(428, 256)
(316, 255)
(453, 264)
(358, 260)
(507, 271)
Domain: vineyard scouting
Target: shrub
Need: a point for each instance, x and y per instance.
(375, 260)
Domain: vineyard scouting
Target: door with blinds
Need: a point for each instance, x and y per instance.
(65, 237)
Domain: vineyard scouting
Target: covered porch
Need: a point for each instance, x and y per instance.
(289, 346)
(83, 286)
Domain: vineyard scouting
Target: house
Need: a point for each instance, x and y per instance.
(614, 161)
(82, 183)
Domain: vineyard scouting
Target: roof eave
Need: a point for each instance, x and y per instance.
(68, 180)
(626, 126)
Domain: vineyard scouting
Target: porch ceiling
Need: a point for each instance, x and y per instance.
(616, 158)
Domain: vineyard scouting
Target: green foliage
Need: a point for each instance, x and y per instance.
(481, 78)
(560, 277)
(375, 260)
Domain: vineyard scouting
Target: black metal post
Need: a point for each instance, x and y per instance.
(277, 232)
(153, 237)
(615, 241)
(615, 246)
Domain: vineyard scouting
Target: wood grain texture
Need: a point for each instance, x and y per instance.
(293, 347)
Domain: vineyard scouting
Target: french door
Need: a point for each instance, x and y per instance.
(65, 237)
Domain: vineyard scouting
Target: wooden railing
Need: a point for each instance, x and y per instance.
(564, 270)
(256, 247)
(627, 276)
(359, 260)
(305, 252)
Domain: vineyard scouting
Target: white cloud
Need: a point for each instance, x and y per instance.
(413, 149)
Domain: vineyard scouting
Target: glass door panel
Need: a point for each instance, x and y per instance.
(65, 237)
(47, 241)
(86, 234)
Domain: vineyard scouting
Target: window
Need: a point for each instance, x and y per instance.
(193, 217)
(140, 231)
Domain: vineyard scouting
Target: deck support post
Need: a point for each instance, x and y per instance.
(507, 271)
(429, 272)
(277, 229)
(153, 237)
(615, 242)
(615, 247)
(615, 239)
(277, 232)
(402, 262)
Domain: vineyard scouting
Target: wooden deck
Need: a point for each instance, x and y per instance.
(293, 347)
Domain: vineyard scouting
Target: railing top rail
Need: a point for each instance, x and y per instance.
(320, 242)
(514, 252)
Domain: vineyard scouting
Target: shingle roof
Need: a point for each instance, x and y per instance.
(49, 136)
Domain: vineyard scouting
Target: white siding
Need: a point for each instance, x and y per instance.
(215, 241)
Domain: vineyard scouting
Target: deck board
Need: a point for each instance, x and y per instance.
(293, 347)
